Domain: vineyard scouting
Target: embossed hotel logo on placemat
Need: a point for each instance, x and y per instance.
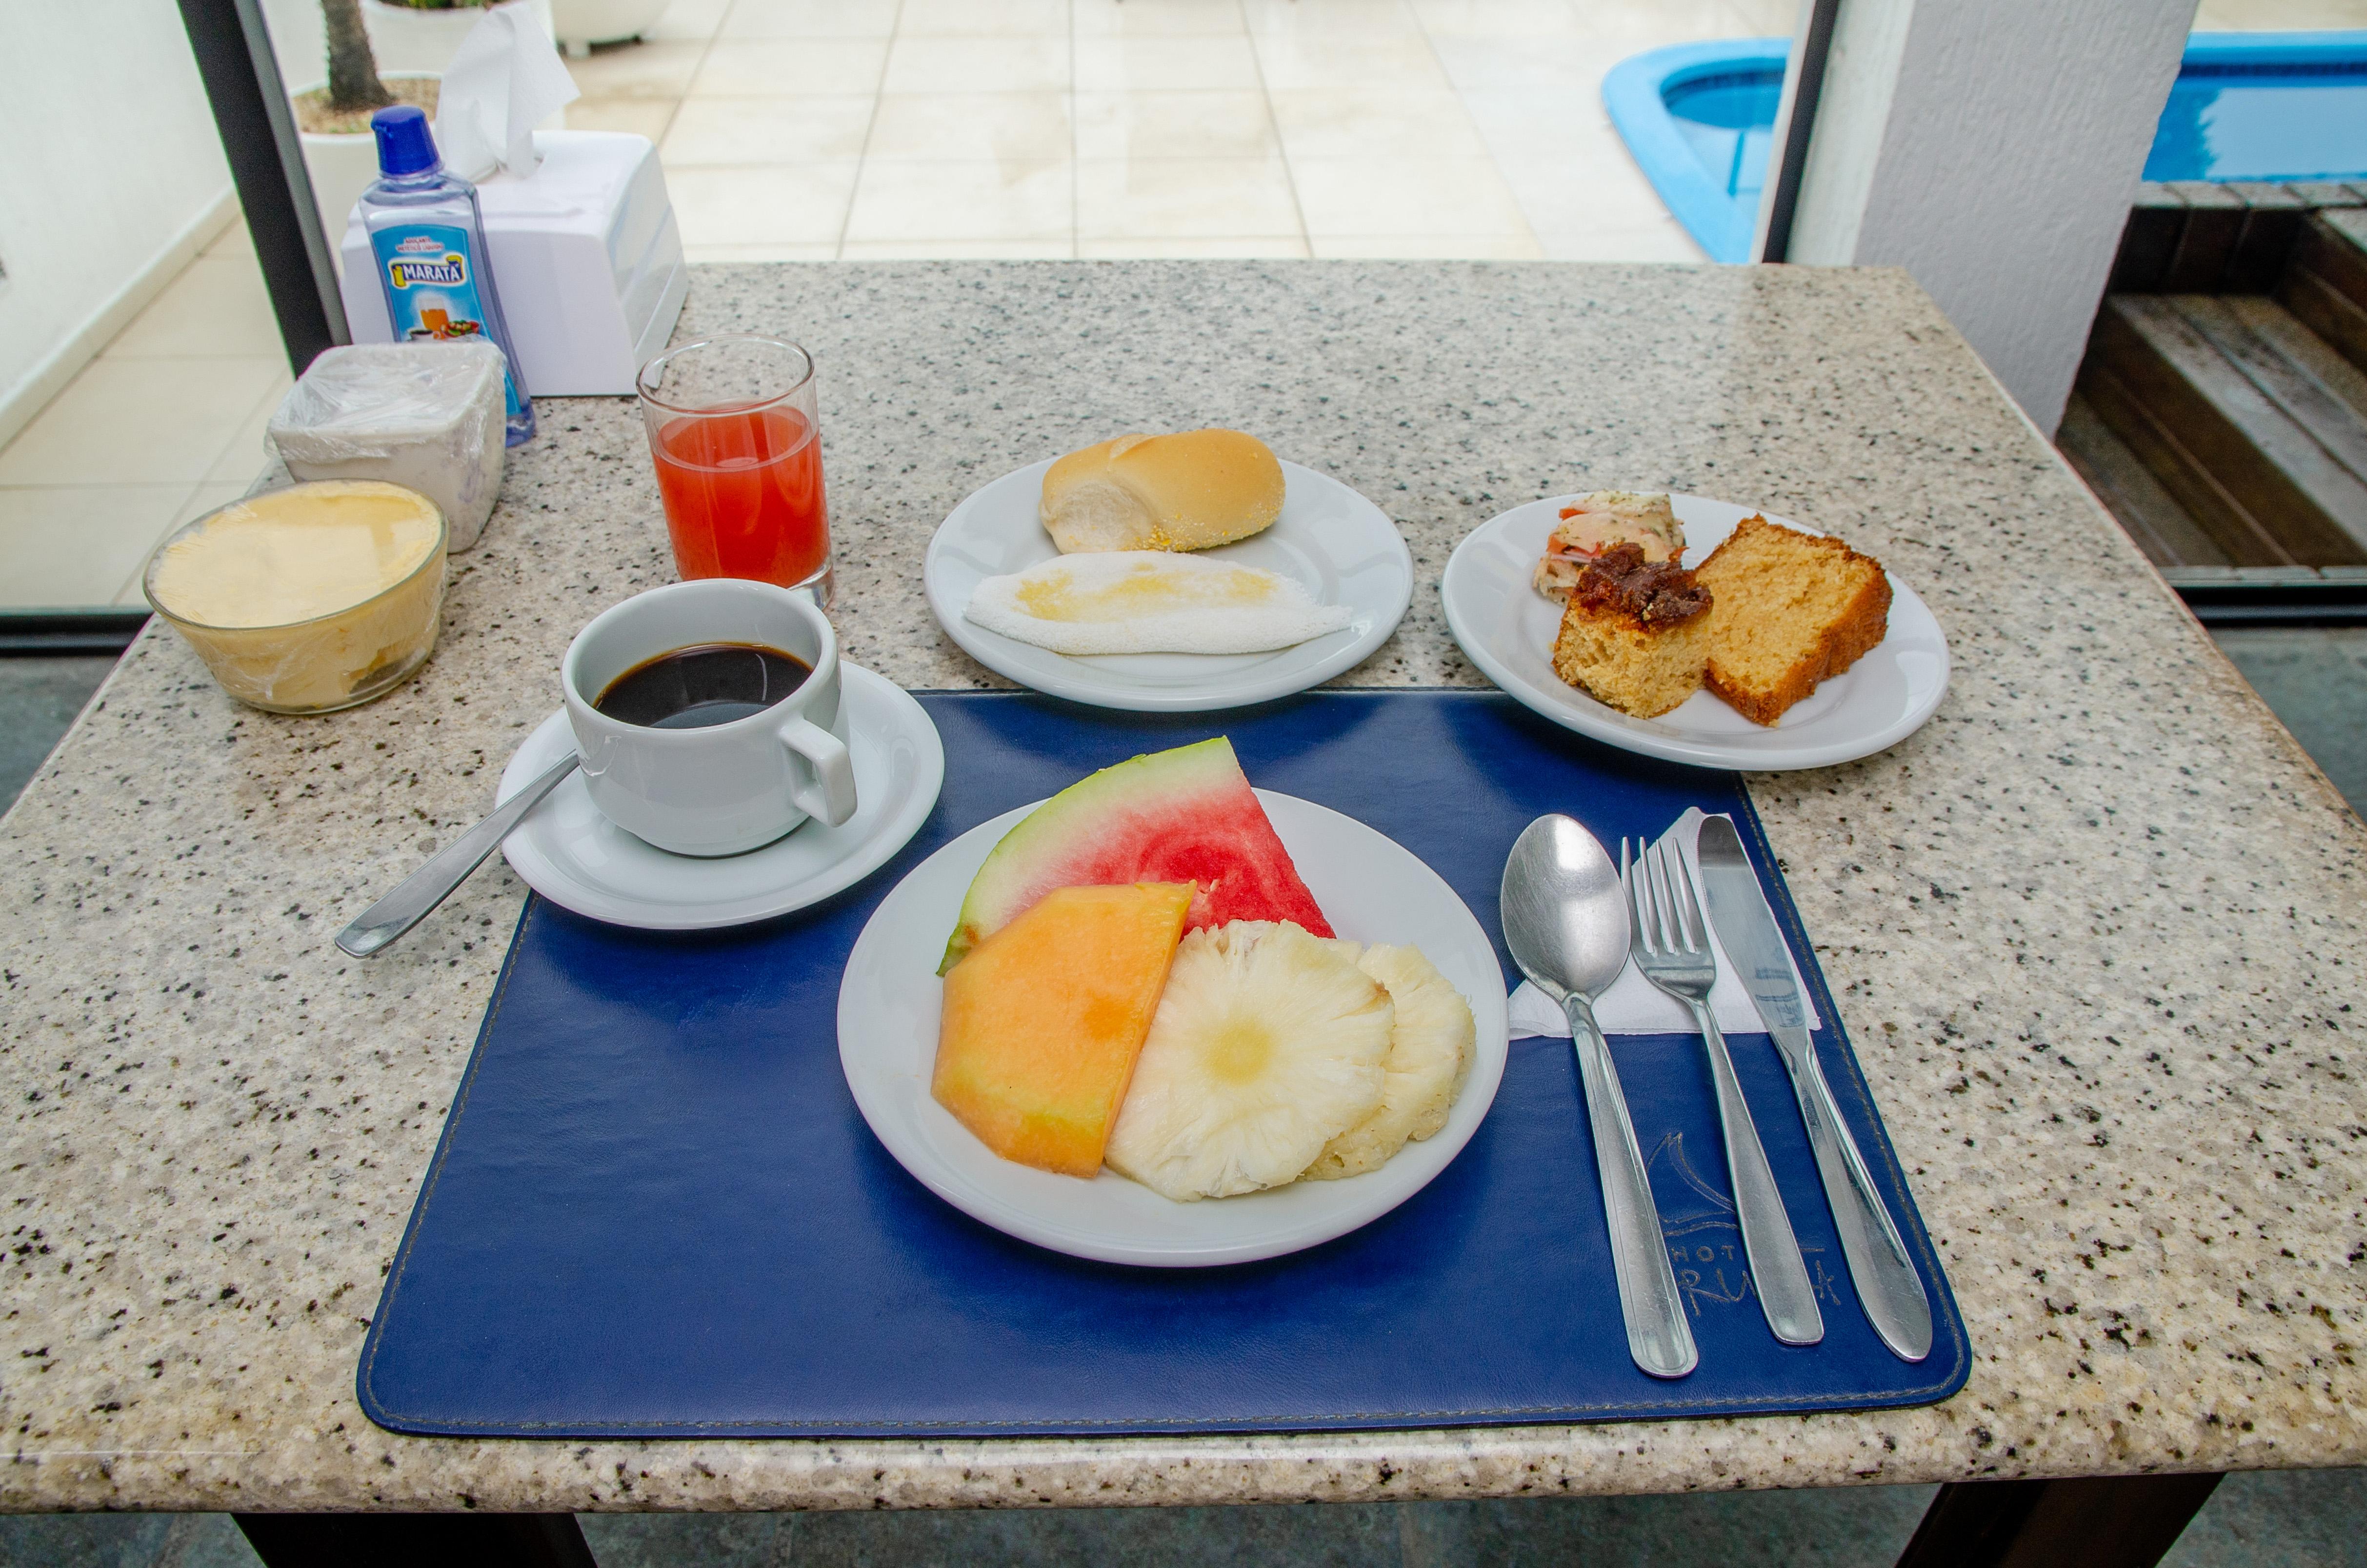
(1705, 1243)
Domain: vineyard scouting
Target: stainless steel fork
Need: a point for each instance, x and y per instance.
(1669, 942)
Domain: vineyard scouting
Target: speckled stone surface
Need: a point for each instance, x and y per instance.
(2095, 930)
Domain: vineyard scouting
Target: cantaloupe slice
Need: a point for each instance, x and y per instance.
(1043, 1019)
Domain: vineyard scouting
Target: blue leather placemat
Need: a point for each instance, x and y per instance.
(655, 1210)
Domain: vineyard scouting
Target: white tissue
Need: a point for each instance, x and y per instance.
(1635, 1006)
(507, 79)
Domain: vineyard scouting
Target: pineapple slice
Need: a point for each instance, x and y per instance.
(1266, 1046)
(1432, 1045)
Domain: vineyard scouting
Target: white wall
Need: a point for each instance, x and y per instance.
(1991, 148)
(115, 180)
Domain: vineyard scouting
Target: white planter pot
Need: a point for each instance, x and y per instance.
(341, 168)
(409, 41)
(582, 23)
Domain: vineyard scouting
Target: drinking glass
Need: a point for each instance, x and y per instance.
(737, 439)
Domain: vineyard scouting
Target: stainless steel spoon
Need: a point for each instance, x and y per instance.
(1565, 922)
(425, 888)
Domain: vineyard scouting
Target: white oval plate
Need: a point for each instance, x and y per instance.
(888, 1000)
(1338, 546)
(572, 855)
(1507, 628)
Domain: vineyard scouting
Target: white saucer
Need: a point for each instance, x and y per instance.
(1371, 888)
(1507, 628)
(1338, 546)
(576, 857)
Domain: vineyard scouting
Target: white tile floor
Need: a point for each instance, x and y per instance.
(196, 374)
(793, 128)
(819, 129)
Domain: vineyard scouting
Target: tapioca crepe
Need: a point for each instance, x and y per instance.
(1150, 601)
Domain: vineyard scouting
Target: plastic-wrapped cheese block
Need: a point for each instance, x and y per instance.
(425, 415)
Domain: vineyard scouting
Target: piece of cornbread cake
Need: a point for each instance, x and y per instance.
(1635, 633)
(1793, 610)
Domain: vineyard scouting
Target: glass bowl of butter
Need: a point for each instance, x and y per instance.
(308, 598)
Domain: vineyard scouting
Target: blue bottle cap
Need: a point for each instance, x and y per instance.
(405, 144)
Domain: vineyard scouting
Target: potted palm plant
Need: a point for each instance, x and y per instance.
(424, 35)
(333, 116)
(381, 52)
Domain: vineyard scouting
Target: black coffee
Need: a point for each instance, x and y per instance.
(709, 683)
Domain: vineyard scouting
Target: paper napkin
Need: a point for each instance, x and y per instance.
(505, 79)
(1635, 1006)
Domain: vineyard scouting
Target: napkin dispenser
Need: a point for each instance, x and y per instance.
(586, 255)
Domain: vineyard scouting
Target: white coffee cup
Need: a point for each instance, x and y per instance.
(725, 788)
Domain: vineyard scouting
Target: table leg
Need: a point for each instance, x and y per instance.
(416, 1540)
(2111, 1521)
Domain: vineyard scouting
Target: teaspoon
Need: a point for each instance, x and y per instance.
(425, 888)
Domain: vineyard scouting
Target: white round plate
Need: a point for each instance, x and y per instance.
(576, 857)
(1507, 628)
(1338, 546)
(888, 1011)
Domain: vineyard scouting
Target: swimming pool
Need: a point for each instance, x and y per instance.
(2266, 106)
(1698, 117)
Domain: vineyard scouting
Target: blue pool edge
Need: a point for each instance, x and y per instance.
(1632, 94)
(2267, 50)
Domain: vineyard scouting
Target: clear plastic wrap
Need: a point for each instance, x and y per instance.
(425, 415)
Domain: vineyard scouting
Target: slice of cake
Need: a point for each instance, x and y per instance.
(1599, 519)
(1793, 610)
(1635, 633)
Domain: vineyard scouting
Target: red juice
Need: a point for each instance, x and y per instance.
(743, 494)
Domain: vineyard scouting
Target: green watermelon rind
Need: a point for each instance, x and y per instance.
(1053, 846)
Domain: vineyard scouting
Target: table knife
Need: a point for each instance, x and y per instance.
(1887, 1285)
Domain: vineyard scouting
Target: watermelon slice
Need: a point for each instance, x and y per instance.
(1186, 815)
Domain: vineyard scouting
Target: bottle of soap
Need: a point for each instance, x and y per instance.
(429, 239)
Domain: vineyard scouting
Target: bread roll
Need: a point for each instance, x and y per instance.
(1184, 491)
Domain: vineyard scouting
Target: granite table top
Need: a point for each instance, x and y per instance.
(2096, 929)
